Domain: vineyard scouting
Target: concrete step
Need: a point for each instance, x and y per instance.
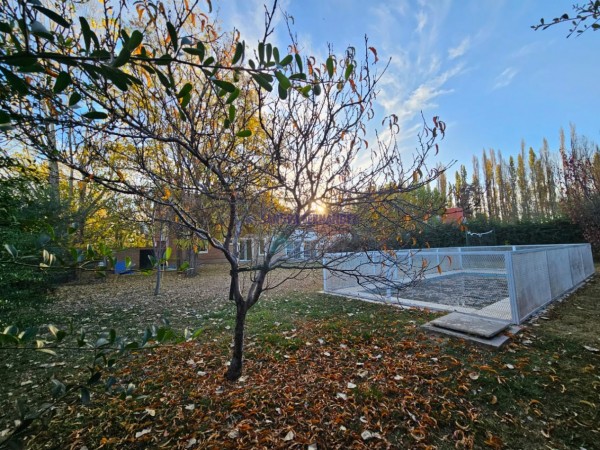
(471, 324)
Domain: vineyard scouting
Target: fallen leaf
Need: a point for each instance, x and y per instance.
(510, 366)
(591, 349)
(473, 375)
(342, 396)
(351, 386)
(143, 432)
(493, 441)
(233, 434)
(289, 436)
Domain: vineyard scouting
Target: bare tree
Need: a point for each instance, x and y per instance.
(269, 179)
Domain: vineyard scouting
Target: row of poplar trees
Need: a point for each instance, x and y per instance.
(528, 187)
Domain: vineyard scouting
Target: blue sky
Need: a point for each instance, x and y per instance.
(477, 64)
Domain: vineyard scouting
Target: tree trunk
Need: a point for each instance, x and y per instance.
(235, 367)
(158, 277)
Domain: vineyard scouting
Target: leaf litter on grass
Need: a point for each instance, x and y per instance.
(295, 402)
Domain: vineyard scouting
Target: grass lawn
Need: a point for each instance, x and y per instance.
(321, 371)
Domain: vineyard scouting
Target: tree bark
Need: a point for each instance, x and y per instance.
(235, 366)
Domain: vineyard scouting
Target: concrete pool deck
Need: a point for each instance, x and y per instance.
(498, 310)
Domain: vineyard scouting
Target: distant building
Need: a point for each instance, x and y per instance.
(453, 215)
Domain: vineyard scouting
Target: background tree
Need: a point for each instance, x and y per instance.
(581, 172)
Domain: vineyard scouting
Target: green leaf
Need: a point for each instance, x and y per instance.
(135, 40)
(167, 253)
(198, 51)
(262, 81)
(21, 60)
(235, 94)
(276, 55)
(283, 93)
(244, 133)
(330, 66)
(164, 60)
(298, 76)
(95, 115)
(305, 90)
(186, 89)
(349, 70)
(261, 52)
(239, 53)
(122, 58)
(88, 34)
(225, 85)
(284, 81)
(287, 60)
(231, 113)
(16, 83)
(74, 99)
(317, 89)
(298, 62)
(269, 52)
(185, 101)
(172, 34)
(62, 82)
(53, 16)
(163, 79)
(119, 78)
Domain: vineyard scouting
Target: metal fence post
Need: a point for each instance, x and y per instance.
(512, 289)
(324, 274)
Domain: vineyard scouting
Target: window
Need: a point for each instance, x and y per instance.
(293, 249)
(245, 247)
(310, 250)
(261, 247)
(201, 246)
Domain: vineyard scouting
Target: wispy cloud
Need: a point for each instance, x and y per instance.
(421, 21)
(505, 78)
(460, 49)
